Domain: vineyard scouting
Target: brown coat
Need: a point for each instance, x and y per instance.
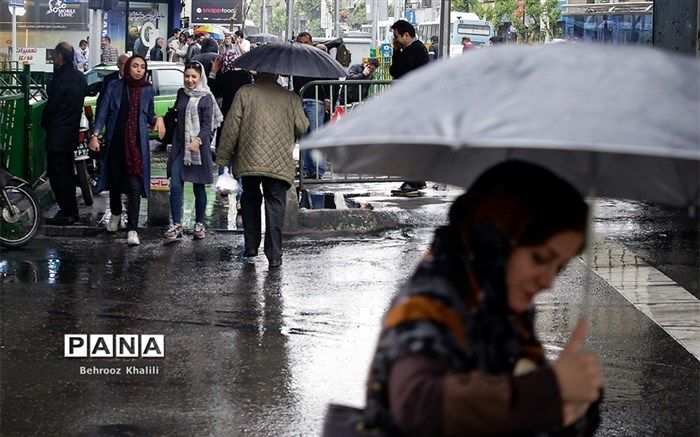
(260, 130)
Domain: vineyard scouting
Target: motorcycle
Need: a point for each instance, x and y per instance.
(84, 161)
(20, 211)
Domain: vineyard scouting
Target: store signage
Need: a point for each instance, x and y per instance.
(216, 11)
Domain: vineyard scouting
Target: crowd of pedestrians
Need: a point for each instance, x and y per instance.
(249, 119)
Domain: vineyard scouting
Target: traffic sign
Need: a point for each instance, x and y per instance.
(16, 3)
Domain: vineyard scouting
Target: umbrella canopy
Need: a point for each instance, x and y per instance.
(213, 31)
(263, 38)
(291, 60)
(623, 121)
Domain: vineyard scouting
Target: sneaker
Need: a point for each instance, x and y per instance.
(113, 223)
(132, 238)
(174, 232)
(198, 232)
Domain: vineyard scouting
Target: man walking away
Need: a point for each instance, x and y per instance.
(109, 53)
(259, 132)
(61, 121)
(409, 53)
(157, 50)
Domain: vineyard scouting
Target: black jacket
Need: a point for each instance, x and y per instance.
(61, 115)
(156, 53)
(207, 54)
(408, 59)
(226, 85)
(355, 72)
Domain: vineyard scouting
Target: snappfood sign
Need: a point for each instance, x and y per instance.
(113, 346)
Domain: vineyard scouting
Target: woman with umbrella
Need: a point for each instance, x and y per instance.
(126, 164)
(458, 353)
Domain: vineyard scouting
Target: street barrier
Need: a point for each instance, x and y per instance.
(22, 99)
(345, 96)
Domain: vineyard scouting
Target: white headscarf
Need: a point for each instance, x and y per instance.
(192, 126)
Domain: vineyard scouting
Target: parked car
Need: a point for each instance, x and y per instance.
(167, 78)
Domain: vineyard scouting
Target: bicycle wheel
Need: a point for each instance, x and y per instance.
(84, 181)
(20, 219)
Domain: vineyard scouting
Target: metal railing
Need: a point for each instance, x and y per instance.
(348, 95)
(22, 99)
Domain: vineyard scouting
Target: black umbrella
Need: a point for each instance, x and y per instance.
(291, 60)
(263, 38)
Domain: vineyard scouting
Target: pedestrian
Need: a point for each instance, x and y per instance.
(60, 119)
(316, 102)
(109, 53)
(208, 52)
(168, 48)
(458, 353)
(157, 50)
(242, 44)
(127, 113)
(259, 132)
(121, 61)
(193, 48)
(434, 49)
(496, 40)
(409, 53)
(226, 44)
(225, 80)
(81, 56)
(178, 48)
(467, 44)
(190, 156)
(357, 93)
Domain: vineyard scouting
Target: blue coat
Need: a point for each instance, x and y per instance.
(198, 174)
(107, 116)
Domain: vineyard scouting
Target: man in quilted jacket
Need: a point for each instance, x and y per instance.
(259, 132)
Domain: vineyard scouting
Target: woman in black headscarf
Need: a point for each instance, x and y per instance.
(126, 163)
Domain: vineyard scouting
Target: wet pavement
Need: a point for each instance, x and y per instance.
(251, 350)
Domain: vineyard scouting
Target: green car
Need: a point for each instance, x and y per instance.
(167, 78)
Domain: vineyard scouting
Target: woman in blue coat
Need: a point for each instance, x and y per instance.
(190, 156)
(127, 112)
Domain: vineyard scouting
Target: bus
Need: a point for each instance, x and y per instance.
(385, 34)
(461, 24)
(625, 24)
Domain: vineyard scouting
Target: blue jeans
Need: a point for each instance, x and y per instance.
(314, 112)
(177, 193)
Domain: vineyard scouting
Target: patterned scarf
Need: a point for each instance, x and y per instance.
(192, 123)
(229, 57)
(134, 161)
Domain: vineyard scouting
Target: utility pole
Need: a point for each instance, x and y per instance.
(263, 17)
(676, 25)
(290, 20)
(336, 18)
(445, 27)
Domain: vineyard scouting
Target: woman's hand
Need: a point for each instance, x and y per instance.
(94, 143)
(193, 146)
(573, 411)
(160, 126)
(578, 373)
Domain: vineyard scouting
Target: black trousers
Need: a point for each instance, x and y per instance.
(122, 182)
(275, 193)
(61, 171)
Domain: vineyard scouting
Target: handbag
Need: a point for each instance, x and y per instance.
(170, 122)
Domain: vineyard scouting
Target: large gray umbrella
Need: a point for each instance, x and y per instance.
(624, 121)
(291, 60)
(264, 38)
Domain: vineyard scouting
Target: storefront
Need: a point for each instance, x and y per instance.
(47, 22)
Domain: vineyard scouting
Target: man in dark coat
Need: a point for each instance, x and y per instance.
(157, 50)
(363, 71)
(61, 120)
(409, 54)
(207, 54)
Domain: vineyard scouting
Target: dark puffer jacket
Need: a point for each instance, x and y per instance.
(61, 115)
(209, 52)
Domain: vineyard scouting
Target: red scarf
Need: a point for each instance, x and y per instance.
(134, 161)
